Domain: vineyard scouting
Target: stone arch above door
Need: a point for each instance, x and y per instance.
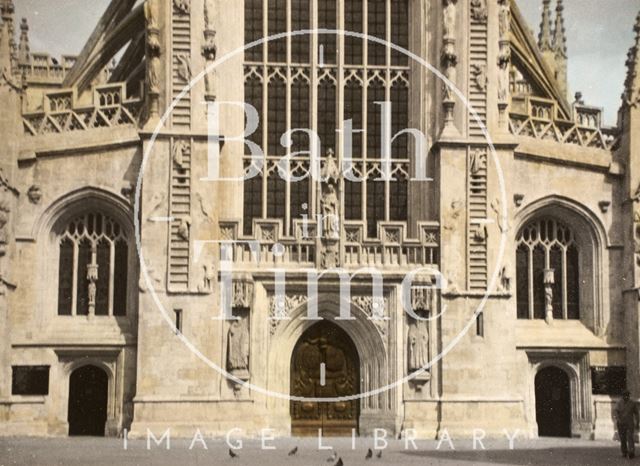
(375, 370)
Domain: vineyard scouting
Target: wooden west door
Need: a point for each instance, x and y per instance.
(324, 364)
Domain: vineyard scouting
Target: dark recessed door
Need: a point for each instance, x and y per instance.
(88, 392)
(324, 364)
(553, 403)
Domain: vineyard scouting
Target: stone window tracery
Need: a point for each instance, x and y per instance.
(547, 271)
(92, 267)
(316, 82)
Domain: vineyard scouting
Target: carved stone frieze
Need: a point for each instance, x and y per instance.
(280, 308)
(376, 309)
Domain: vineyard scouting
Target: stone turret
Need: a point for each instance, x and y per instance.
(560, 49)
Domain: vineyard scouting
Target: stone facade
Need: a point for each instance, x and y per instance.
(78, 134)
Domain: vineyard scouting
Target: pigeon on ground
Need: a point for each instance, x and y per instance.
(379, 454)
(369, 454)
(339, 463)
(294, 451)
(232, 454)
(333, 456)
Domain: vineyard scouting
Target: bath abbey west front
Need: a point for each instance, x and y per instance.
(537, 242)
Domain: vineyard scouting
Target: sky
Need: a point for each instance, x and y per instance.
(599, 34)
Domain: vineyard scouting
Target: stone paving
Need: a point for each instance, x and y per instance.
(101, 451)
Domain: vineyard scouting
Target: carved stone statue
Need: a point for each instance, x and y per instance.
(504, 19)
(418, 343)
(478, 161)
(479, 10)
(238, 348)
(209, 49)
(330, 214)
(5, 211)
(154, 50)
(92, 276)
(449, 19)
(151, 13)
(180, 151)
(183, 228)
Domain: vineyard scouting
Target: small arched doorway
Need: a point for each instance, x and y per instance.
(88, 394)
(553, 402)
(324, 364)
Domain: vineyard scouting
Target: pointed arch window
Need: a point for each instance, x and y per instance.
(317, 82)
(93, 267)
(547, 270)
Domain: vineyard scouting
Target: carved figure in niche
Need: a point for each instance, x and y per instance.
(449, 19)
(504, 19)
(454, 215)
(183, 228)
(502, 220)
(479, 11)
(180, 152)
(478, 161)
(151, 14)
(330, 218)
(503, 84)
(329, 201)
(418, 342)
(184, 6)
(184, 67)
(238, 348)
(5, 211)
(92, 276)
(480, 233)
(330, 171)
(505, 280)
(452, 75)
(208, 277)
(153, 46)
(480, 76)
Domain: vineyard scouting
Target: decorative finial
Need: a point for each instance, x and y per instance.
(559, 36)
(24, 49)
(544, 38)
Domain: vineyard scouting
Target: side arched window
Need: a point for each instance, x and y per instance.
(547, 271)
(92, 267)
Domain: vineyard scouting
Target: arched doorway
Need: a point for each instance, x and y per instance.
(88, 393)
(553, 403)
(324, 364)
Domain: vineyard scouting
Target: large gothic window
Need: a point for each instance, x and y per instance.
(317, 82)
(547, 270)
(92, 267)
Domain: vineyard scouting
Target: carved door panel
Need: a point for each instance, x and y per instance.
(324, 365)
